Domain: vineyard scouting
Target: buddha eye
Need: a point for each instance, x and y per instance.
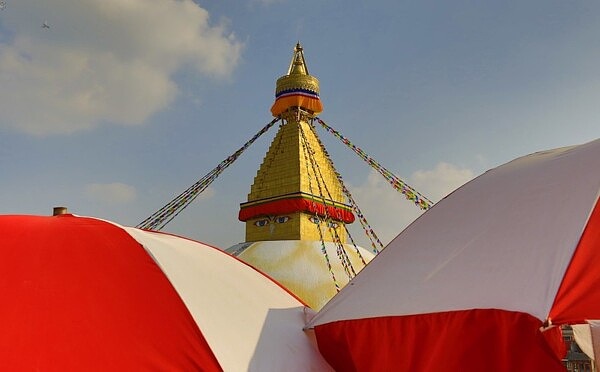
(314, 219)
(333, 224)
(261, 223)
(282, 219)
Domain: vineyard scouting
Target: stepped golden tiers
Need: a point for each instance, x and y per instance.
(296, 184)
(296, 210)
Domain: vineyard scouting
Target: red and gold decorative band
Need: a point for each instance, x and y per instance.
(295, 204)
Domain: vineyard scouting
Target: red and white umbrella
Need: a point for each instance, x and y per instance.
(482, 280)
(82, 294)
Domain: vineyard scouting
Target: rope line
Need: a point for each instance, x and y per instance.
(306, 151)
(401, 186)
(369, 232)
(167, 213)
(341, 253)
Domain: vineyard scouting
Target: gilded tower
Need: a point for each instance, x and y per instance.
(295, 214)
(296, 194)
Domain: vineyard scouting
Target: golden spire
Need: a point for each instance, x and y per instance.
(297, 88)
(296, 186)
(298, 63)
(296, 210)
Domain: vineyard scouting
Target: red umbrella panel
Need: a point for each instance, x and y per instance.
(483, 279)
(84, 294)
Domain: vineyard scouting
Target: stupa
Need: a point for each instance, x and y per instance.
(296, 210)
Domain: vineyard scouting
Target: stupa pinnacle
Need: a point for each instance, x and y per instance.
(296, 212)
(296, 194)
(297, 88)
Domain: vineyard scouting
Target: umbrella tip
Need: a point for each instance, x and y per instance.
(59, 210)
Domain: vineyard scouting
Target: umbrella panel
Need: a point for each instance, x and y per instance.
(81, 294)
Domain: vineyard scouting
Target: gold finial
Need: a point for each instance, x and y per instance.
(297, 76)
(297, 88)
(298, 63)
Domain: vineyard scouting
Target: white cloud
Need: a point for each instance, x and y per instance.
(111, 192)
(103, 60)
(441, 180)
(389, 212)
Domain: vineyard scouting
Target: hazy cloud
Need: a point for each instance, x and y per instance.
(389, 212)
(441, 180)
(103, 60)
(111, 192)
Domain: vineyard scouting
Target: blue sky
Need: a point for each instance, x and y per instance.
(119, 106)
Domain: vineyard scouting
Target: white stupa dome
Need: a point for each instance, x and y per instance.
(301, 266)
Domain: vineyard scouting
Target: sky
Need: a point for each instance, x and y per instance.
(113, 107)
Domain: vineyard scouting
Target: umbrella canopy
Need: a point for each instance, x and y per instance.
(84, 294)
(587, 337)
(480, 281)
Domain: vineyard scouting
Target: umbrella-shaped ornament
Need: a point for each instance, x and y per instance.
(483, 280)
(82, 294)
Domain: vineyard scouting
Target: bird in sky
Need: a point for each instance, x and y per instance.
(45, 25)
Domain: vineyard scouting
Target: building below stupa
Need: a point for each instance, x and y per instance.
(296, 213)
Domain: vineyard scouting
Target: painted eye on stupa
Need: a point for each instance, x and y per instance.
(333, 224)
(282, 219)
(261, 223)
(314, 219)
